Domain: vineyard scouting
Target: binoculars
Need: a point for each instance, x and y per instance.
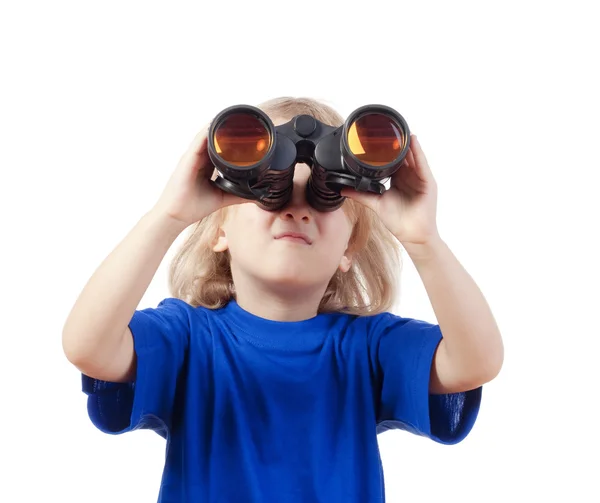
(255, 160)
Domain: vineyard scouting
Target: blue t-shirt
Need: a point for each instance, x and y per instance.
(255, 410)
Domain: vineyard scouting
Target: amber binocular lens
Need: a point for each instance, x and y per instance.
(242, 139)
(375, 141)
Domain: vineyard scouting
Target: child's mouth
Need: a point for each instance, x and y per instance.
(295, 237)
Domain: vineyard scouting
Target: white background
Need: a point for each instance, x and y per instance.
(99, 100)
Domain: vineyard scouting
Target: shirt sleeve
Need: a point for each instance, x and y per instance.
(161, 337)
(402, 350)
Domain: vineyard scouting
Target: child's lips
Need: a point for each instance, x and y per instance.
(294, 236)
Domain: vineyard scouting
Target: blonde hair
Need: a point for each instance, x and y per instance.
(202, 277)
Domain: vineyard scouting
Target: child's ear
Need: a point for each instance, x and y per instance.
(220, 242)
(346, 260)
(345, 263)
(351, 248)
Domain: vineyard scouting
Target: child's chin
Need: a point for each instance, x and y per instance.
(292, 273)
(291, 278)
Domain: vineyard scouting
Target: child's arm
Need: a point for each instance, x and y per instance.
(96, 337)
(471, 352)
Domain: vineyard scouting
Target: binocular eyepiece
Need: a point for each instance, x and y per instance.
(255, 159)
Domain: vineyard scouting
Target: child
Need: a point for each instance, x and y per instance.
(274, 366)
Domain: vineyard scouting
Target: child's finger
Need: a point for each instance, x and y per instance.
(420, 159)
(199, 142)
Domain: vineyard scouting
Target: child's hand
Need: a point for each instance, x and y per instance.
(408, 207)
(190, 195)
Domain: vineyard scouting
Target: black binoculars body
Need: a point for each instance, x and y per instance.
(255, 159)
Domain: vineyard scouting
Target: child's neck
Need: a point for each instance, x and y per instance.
(279, 306)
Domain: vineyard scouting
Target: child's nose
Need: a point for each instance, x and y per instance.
(297, 209)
